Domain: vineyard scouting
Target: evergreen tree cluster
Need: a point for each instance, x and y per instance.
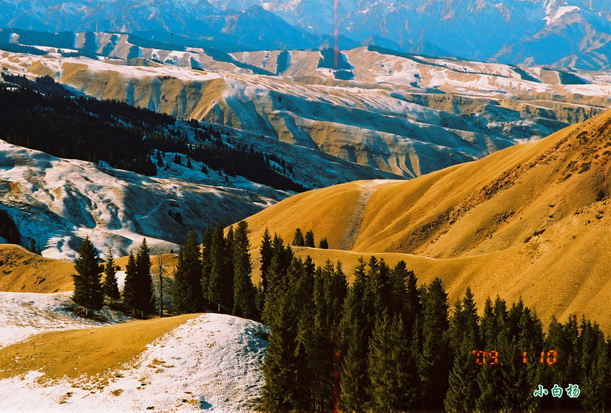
(42, 115)
(91, 289)
(216, 275)
(385, 344)
(138, 290)
(381, 344)
(299, 240)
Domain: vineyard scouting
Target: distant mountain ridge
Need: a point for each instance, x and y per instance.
(571, 33)
(384, 111)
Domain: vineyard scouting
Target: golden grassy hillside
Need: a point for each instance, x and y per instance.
(22, 271)
(533, 220)
(91, 351)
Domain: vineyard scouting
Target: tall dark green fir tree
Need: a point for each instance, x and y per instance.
(87, 284)
(244, 292)
(110, 287)
(145, 280)
(298, 239)
(309, 239)
(138, 290)
(187, 294)
(392, 367)
(282, 390)
(434, 358)
(354, 331)
(266, 251)
(464, 339)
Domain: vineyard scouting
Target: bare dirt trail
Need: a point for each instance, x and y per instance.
(368, 188)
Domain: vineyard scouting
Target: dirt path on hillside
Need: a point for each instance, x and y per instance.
(350, 236)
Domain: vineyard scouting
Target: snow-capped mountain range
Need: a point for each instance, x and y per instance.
(574, 33)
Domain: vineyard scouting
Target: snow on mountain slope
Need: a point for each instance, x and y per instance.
(25, 314)
(212, 362)
(403, 114)
(58, 202)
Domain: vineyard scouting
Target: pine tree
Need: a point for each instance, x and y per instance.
(354, 331)
(87, 284)
(595, 365)
(146, 298)
(220, 283)
(298, 239)
(379, 288)
(282, 391)
(464, 339)
(138, 290)
(391, 366)
(434, 361)
(244, 293)
(489, 379)
(206, 260)
(309, 239)
(324, 244)
(187, 295)
(282, 258)
(130, 289)
(266, 252)
(110, 287)
(522, 333)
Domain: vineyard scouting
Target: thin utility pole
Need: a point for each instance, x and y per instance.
(160, 286)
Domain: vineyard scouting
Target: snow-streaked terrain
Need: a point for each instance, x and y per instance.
(211, 362)
(399, 113)
(58, 201)
(25, 314)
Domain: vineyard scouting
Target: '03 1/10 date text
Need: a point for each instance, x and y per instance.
(492, 357)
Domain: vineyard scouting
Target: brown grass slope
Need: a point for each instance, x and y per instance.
(533, 220)
(92, 351)
(21, 271)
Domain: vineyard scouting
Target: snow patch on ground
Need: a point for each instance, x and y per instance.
(212, 362)
(24, 314)
(555, 14)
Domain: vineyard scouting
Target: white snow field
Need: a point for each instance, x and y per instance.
(212, 363)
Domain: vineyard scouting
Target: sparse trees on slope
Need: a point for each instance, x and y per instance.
(187, 293)
(324, 244)
(87, 284)
(110, 287)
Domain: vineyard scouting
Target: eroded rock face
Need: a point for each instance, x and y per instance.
(403, 114)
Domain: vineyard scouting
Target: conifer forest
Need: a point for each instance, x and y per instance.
(383, 343)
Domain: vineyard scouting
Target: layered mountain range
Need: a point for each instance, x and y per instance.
(573, 33)
(403, 114)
